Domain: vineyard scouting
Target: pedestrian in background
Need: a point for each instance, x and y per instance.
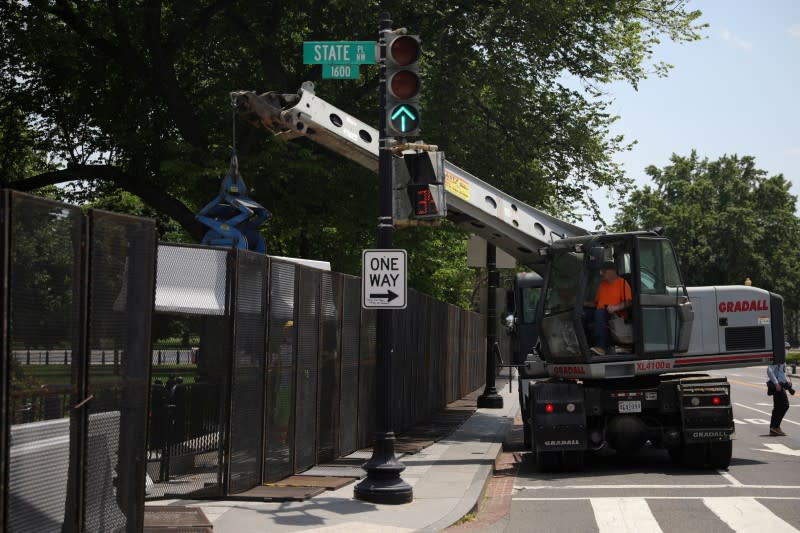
(777, 386)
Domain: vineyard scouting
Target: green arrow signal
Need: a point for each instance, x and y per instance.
(404, 113)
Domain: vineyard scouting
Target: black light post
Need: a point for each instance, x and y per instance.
(490, 399)
(383, 483)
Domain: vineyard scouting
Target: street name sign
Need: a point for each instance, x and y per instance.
(340, 72)
(384, 279)
(339, 52)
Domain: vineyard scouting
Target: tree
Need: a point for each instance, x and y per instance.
(727, 220)
(132, 95)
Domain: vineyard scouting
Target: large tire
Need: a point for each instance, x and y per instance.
(548, 461)
(676, 455)
(573, 461)
(719, 454)
(693, 455)
(526, 435)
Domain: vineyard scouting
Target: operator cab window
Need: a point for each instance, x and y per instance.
(530, 299)
(662, 292)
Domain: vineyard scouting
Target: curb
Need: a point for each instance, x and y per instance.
(470, 502)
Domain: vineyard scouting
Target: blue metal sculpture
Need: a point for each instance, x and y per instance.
(233, 218)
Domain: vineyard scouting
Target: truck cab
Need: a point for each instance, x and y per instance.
(658, 321)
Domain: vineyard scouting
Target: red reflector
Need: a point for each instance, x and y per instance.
(549, 407)
(716, 400)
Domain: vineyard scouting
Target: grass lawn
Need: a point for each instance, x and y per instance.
(98, 374)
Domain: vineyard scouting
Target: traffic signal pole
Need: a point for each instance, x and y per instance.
(383, 483)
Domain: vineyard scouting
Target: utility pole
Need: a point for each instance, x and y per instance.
(383, 483)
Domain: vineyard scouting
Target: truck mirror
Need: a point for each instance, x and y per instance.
(596, 257)
(510, 300)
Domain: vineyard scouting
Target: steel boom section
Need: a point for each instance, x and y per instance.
(477, 206)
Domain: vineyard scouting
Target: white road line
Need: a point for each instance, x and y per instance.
(584, 498)
(756, 421)
(746, 515)
(733, 481)
(615, 515)
(606, 487)
(766, 413)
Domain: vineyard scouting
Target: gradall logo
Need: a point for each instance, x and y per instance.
(742, 306)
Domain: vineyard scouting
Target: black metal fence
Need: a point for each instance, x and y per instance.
(198, 373)
(287, 355)
(73, 430)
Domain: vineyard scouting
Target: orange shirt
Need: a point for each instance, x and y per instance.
(613, 293)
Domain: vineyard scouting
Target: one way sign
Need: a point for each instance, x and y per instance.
(383, 279)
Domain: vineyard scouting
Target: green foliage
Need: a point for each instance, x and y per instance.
(437, 262)
(44, 267)
(727, 219)
(133, 96)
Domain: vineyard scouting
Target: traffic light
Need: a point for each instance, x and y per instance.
(418, 187)
(402, 84)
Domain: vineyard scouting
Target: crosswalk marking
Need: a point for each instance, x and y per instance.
(584, 498)
(741, 514)
(655, 486)
(617, 515)
(746, 515)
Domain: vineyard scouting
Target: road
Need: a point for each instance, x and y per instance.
(760, 492)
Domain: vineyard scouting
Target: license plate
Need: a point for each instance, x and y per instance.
(630, 406)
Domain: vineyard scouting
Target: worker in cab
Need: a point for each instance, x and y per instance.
(612, 298)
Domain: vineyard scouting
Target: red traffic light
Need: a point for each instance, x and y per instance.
(405, 50)
(404, 84)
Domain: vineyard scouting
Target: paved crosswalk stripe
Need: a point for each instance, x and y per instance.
(664, 486)
(746, 515)
(617, 515)
(583, 498)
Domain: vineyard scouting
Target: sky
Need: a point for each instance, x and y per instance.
(737, 91)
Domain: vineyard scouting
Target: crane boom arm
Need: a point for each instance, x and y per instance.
(479, 207)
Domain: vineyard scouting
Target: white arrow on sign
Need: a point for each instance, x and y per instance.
(778, 448)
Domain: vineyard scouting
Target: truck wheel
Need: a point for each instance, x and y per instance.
(573, 460)
(675, 455)
(526, 435)
(548, 461)
(719, 454)
(689, 455)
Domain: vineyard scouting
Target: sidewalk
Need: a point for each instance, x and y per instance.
(448, 478)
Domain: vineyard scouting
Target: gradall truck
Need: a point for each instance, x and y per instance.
(646, 387)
